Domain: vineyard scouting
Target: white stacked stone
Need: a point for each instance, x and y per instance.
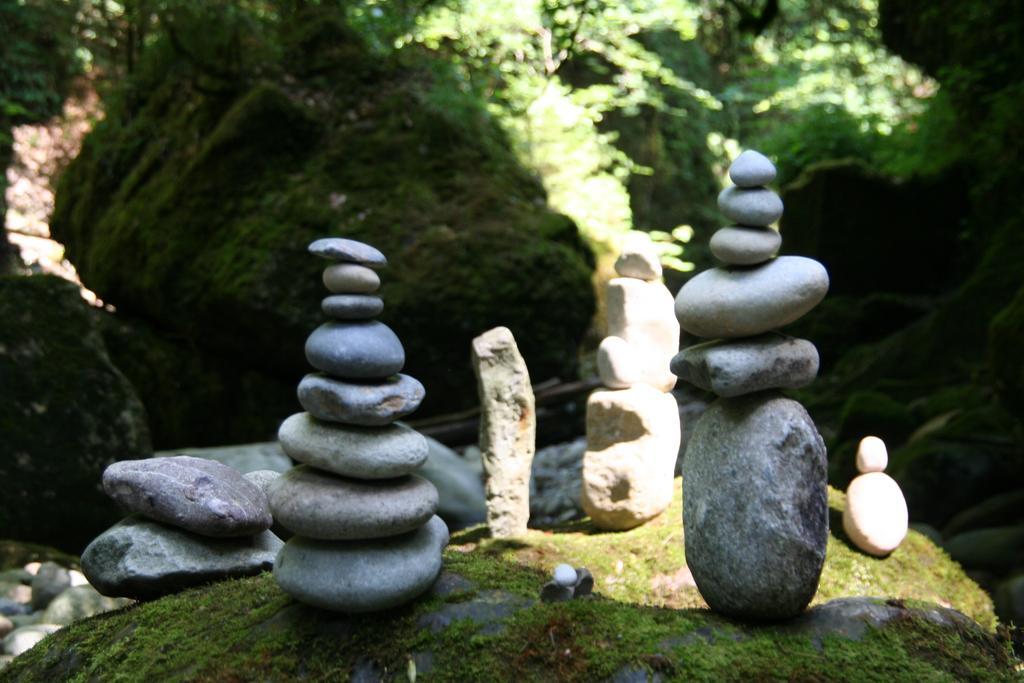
(366, 536)
(876, 517)
(754, 472)
(633, 427)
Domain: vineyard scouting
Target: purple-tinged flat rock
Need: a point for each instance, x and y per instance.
(348, 251)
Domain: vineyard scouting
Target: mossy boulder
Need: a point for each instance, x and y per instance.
(483, 621)
(66, 412)
(191, 208)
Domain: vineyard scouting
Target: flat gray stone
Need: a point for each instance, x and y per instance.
(489, 609)
(362, 576)
(199, 495)
(751, 169)
(79, 602)
(355, 350)
(248, 457)
(352, 306)
(755, 506)
(743, 366)
(459, 483)
(744, 246)
(142, 559)
(743, 302)
(361, 452)
(369, 404)
(350, 278)
(324, 506)
(754, 206)
(348, 251)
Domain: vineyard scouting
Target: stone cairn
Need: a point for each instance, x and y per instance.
(755, 507)
(366, 536)
(875, 517)
(633, 426)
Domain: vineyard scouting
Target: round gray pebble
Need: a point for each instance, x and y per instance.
(350, 278)
(744, 246)
(369, 404)
(355, 350)
(352, 306)
(755, 206)
(751, 169)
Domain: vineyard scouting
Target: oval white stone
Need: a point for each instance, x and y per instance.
(565, 575)
(875, 517)
(872, 455)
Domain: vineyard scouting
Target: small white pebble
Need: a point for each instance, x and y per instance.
(872, 455)
(33, 567)
(78, 578)
(565, 575)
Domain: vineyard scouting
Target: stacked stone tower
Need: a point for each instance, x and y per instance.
(366, 534)
(755, 508)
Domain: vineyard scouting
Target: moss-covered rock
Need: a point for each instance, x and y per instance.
(65, 414)
(191, 209)
(483, 621)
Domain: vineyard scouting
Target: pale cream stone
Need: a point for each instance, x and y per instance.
(638, 258)
(616, 365)
(628, 467)
(872, 455)
(876, 517)
(350, 278)
(642, 315)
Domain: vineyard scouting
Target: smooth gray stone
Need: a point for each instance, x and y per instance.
(245, 458)
(50, 581)
(755, 206)
(755, 506)
(77, 603)
(352, 306)
(348, 251)
(263, 478)
(142, 559)
(370, 404)
(362, 576)
(324, 506)
(350, 278)
(744, 246)
(743, 366)
(355, 350)
(361, 452)
(751, 169)
(198, 495)
(743, 302)
(23, 639)
(459, 484)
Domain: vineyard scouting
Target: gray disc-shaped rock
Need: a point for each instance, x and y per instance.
(196, 494)
(743, 246)
(361, 452)
(743, 366)
(320, 505)
(755, 506)
(348, 251)
(362, 576)
(141, 559)
(743, 302)
(352, 306)
(368, 404)
(751, 169)
(755, 206)
(355, 350)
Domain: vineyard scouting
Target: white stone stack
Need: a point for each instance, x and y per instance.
(754, 473)
(633, 426)
(875, 517)
(367, 537)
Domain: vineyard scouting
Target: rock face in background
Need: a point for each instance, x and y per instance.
(66, 412)
(191, 212)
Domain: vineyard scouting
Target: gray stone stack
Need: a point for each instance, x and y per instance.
(755, 499)
(366, 536)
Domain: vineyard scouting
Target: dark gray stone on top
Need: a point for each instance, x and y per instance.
(743, 366)
(348, 251)
(352, 306)
(355, 350)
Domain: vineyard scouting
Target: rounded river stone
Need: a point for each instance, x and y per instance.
(743, 366)
(371, 404)
(743, 246)
(348, 251)
(755, 506)
(196, 494)
(355, 350)
(361, 452)
(743, 302)
(352, 306)
(350, 278)
(362, 576)
(755, 206)
(321, 505)
(751, 169)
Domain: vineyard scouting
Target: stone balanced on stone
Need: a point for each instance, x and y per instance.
(633, 427)
(755, 508)
(875, 517)
(193, 521)
(366, 536)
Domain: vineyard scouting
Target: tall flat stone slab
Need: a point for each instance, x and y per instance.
(755, 506)
(507, 430)
(632, 445)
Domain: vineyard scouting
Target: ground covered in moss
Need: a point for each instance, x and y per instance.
(483, 621)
